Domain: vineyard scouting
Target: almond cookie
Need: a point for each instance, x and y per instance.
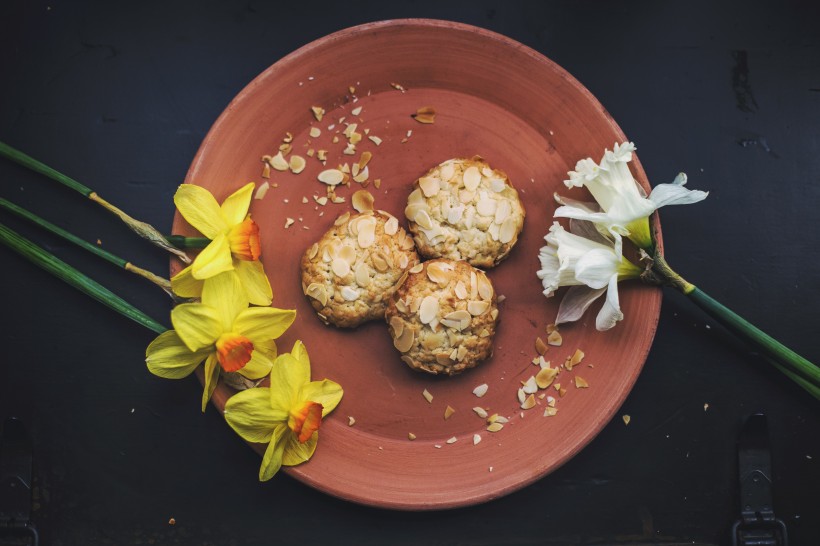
(349, 274)
(465, 210)
(442, 317)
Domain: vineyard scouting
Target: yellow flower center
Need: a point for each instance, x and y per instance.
(244, 240)
(233, 351)
(305, 420)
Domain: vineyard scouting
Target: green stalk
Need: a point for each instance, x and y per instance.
(142, 229)
(165, 284)
(797, 368)
(180, 241)
(75, 278)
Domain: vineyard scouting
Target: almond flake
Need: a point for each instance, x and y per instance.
(429, 186)
(279, 162)
(331, 177)
(471, 178)
(427, 396)
(362, 201)
(315, 132)
(356, 111)
(405, 340)
(495, 427)
(261, 190)
(297, 164)
(266, 170)
(376, 140)
(452, 440)
(397, 86)
(580, 382)
(626, 418)
(318, 112)
(285, 148)
(530, 386)
(340, 267)
(476, 439)
(540, 346)
(288, 137)
(321, 155)
(481, 412)
(448, 412)
(411, 436)
(365, 159)
(545, 377)
(425, 114)
(289, 222)
(481, 390)
(351, 421)
(555, 339)
(575, 359)
(477, 308)
(391, 226)
(529, 403)
(550, 411)
(349, 294)
(416, 268)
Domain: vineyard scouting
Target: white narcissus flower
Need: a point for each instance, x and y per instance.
(622, 205)
(590, 265)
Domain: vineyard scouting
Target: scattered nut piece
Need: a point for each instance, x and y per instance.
(315, 132)
(376, 140)
(279, 162)
(580, 382)
(575, 359)
(261, 190)
(452, 440)
(626, 418)
(425, 114)
(411, 436)
(289, 222)
(397, 86)
(297, 164)
(351, 421)
(555, 339)
(448, 412)
(427, 396)
(495, 427)
(331, 177)
(529, 403)
(549, 411)
(540, 346)
(356, 111)
(476, 439)
(481, 390)
(318, 112)
(545, 377)
(362, 201)
(481, 412)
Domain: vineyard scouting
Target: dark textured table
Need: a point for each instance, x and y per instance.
(120, 94)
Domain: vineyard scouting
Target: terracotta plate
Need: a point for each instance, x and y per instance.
(496, 98)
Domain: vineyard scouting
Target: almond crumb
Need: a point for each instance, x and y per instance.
(448, 412)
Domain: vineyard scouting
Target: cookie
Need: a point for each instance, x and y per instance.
(349, 274)
(465, 210)
(443, 316)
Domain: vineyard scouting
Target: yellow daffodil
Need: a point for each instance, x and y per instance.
(221, 330)
(234, 242)
(287, 415)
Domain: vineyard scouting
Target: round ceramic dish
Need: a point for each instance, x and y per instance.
(525, 115)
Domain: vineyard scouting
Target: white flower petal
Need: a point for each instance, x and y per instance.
(575, 303)
(610, 313)
(675, 194)
(596, 268)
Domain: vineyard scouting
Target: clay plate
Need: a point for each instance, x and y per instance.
(525, 115)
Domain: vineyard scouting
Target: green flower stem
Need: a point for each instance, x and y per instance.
(165, 284)
(75, 278)
(800, 370)
(180, 241)
(142, 229)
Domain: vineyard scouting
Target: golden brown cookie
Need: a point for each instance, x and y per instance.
(349, 274)
(442, 318)
(465, 210)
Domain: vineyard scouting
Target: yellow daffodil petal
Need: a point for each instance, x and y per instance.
(235, 208)
(211, 379)
(327, 393)
(224, 293)
(272, 460)
(266, 348)
(300, 353)
(200, 209)
(257, 367)
(244, 241)
(184, 284)
(249, 414)
(252, 276)
(197, 325)
(263, 323)
(213, 260)
(167, 356)
(297, 452)
(286, 378)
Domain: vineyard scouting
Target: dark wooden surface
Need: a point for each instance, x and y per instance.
(120, 94)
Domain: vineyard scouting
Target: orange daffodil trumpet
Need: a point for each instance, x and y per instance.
(287, 415)
(223, 331)
(234, 246)
(589, 257)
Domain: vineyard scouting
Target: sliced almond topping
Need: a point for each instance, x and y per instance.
(391, 226)
(429, 185)
(473, 286)
(342, 219)
(507, 231)
(486, 207)
(458, 320)
(555, 339)
(313, 251)
(427, 396)
(580, 382)
(545, 377)
(448, 412)
(367, 232)
(476, 308)
(407, 242)
(472, 178)
(422, 218)
(362, 274)
(425, 114)
(428, 309)
(362, 200)
(460, 290)
(502, 211)
(317, 292)
(481, 412)
(497, 185)
(397, 325)
(481, 390)
(331, 177)
(484, 333)
(405, 340)
(416, 268)
(485, 288)
(379, 262)
(340, 267)
(432, 341)
(466, 196)
(347, 253)
(349, 294)
(438, 273)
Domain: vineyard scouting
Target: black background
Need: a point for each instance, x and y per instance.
(120, 94)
